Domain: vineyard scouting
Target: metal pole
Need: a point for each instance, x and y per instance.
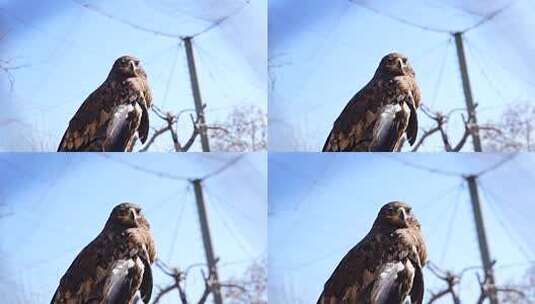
(471, 108)
(481, 236)
(196, 93)
(207, 240)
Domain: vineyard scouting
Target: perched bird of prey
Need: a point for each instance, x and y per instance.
(378, 116)
(115, 268)
(110, 117)
(385, 267)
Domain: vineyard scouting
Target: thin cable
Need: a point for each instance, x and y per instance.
(429, 51)
(232, 232)
(334, 252)
(503, 67)
(201, 52)
(421, 167)
(163, 201)
(482, 70)
(500, 163)
(171, 74)
(295, 173)
(222, 168)
(459, 9)
(66, 41)
(305, 198)
(162, 174)
(220, 21)
(145, 170)
(142, 28)
(441, 73)
(489, 17)
(439, 197)
(97, 10)
(401, 20)
(180, 11)
(237, 210)
(481, 22)
(511, 265)
(177, 225)
(493, 203)
(451, 222)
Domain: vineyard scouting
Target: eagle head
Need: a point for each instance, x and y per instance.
(395, 214)
(127, 66)
(395, 64)
(127, 215)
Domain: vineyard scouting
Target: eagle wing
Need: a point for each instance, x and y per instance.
(409, 248)
(391, 285)
(352, 275)
(351, 130)
(128, 280)
(81, 278)
(107, 269)
(146, 285)
(387, 128)
(143, 129)
(377, 117)
(417, 291)
(87, 123)
(121, 127)
(109, 118)
(395, 283)
(378, 254)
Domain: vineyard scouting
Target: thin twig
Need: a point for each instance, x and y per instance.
(171, 126)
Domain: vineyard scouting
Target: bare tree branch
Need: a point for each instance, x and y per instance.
(210, 284)
(171, 121)
(441, 121)
(513, 131)
(451, 280)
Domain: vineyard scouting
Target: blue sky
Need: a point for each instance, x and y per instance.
(323, 52)
(57, 203)
(68, 51)
(321, 206)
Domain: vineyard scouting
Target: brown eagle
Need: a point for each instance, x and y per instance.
(385, 267)
(378, 116)
(110, 117)
(115, 268)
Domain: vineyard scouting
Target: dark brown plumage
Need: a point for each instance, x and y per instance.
(385, 266)
(378, 116)
(115, 268)
(110, 117)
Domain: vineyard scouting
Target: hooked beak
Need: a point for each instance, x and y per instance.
(404, 217)
(134, 216)
(401, 64)
(133, 66)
